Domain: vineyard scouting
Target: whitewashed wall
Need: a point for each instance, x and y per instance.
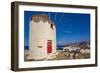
(40, 33)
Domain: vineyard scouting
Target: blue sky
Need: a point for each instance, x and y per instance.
(70, 27)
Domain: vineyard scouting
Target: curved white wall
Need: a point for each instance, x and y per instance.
(39, 33)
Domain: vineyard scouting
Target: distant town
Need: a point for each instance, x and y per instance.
(76, 50)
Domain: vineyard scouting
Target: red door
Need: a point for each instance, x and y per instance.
(49, 46)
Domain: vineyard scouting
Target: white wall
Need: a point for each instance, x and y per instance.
(5, 27)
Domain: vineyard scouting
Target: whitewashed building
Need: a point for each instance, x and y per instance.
(42, 37)
(70, 48)
(85, 51)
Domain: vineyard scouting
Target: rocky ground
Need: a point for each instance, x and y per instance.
(61, 56)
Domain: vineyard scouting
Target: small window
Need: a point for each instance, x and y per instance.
(51, 26)
(39, 46)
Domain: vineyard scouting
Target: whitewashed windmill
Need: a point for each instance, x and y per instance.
(42, 37)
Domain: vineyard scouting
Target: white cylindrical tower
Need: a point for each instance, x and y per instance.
(42, 37)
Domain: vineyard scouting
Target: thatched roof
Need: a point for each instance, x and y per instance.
(42, 17)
